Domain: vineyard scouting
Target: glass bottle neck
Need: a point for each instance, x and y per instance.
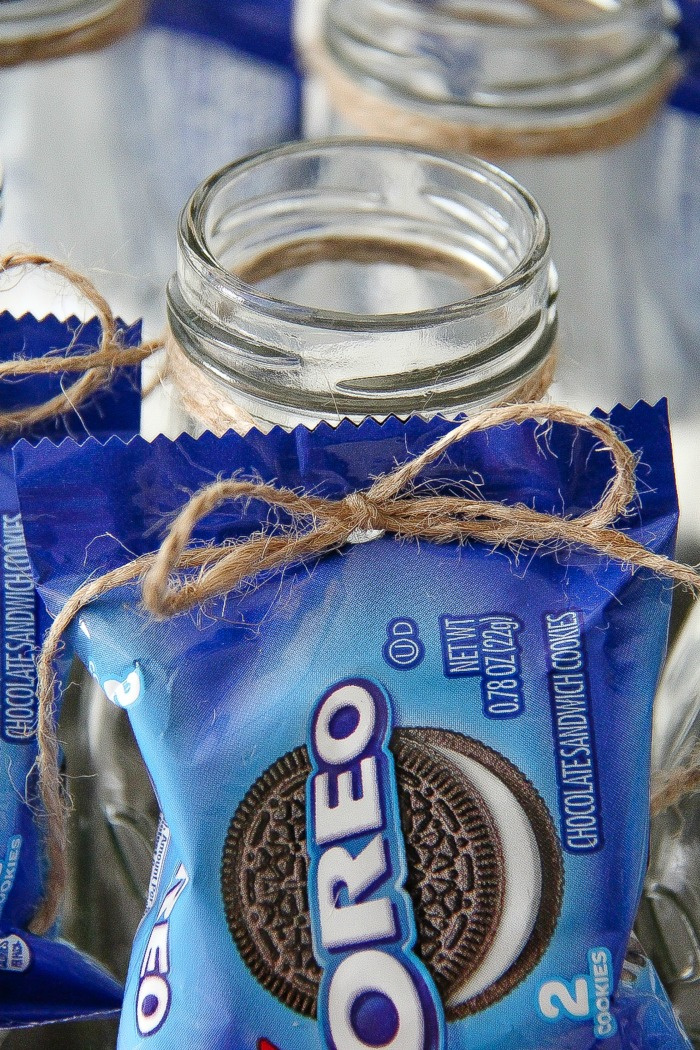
(348, 279)
(527, 64)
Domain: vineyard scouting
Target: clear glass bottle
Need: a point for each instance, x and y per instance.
(667, 204)
(548, 89)
(329, 280)
(664, 175)
(111, 113)
(314, 281)
(110, 117)
(669, 916)
(324, 280)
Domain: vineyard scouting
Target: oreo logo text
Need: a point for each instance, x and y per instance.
(374, 990)
(153, 997)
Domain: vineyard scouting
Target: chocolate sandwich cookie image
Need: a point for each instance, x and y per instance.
(485, 873)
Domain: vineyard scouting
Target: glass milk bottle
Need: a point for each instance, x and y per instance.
(668, 258)
(316, 281)
(109, 118)
(111, 113)
(549, 90)
(324, 280)
(668, 204)
(669, 916)
(665, 198)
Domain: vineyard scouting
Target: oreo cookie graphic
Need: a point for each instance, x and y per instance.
(485, 873)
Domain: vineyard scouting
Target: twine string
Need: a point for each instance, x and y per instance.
(88, 32)
(96, 367)
(378, 114)
(200, 396)
(389, 505)
(179, 576)
(208, 402)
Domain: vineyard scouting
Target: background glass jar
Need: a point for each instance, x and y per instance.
(669, 915)
(112, 112)
(664, 176)
(667, 257)
(348, 278)
(549, 89)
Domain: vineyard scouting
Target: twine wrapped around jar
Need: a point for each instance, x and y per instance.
(532, 78)
(380, 116)
(213, 409)
(92, 31)
(346, 279)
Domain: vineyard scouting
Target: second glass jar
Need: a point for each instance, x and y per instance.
(550, 90)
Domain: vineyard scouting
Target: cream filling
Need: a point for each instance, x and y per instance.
(523, 877)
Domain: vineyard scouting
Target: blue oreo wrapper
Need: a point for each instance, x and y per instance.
(259, 30)
(41, 978)
(259, 27)
(405, 788)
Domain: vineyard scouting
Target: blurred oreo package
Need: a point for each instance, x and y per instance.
(405, 787)
(42, 978)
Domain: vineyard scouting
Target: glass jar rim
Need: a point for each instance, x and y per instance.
(195, 252)
(609, 17)
(538, 69)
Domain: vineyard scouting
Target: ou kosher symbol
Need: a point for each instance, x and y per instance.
(403, 648)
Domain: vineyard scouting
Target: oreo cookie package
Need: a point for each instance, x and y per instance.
(404, 784)
(42, 978)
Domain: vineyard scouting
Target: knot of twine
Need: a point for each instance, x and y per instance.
(95, 368)
(368, 514)
(179, 576)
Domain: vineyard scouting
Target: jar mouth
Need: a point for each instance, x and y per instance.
(534, 60)
(228, 204)
(332, 231)
(556, 18)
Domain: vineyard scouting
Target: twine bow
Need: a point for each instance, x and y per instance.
(391, 505)
(95, 368)
(179, 577)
